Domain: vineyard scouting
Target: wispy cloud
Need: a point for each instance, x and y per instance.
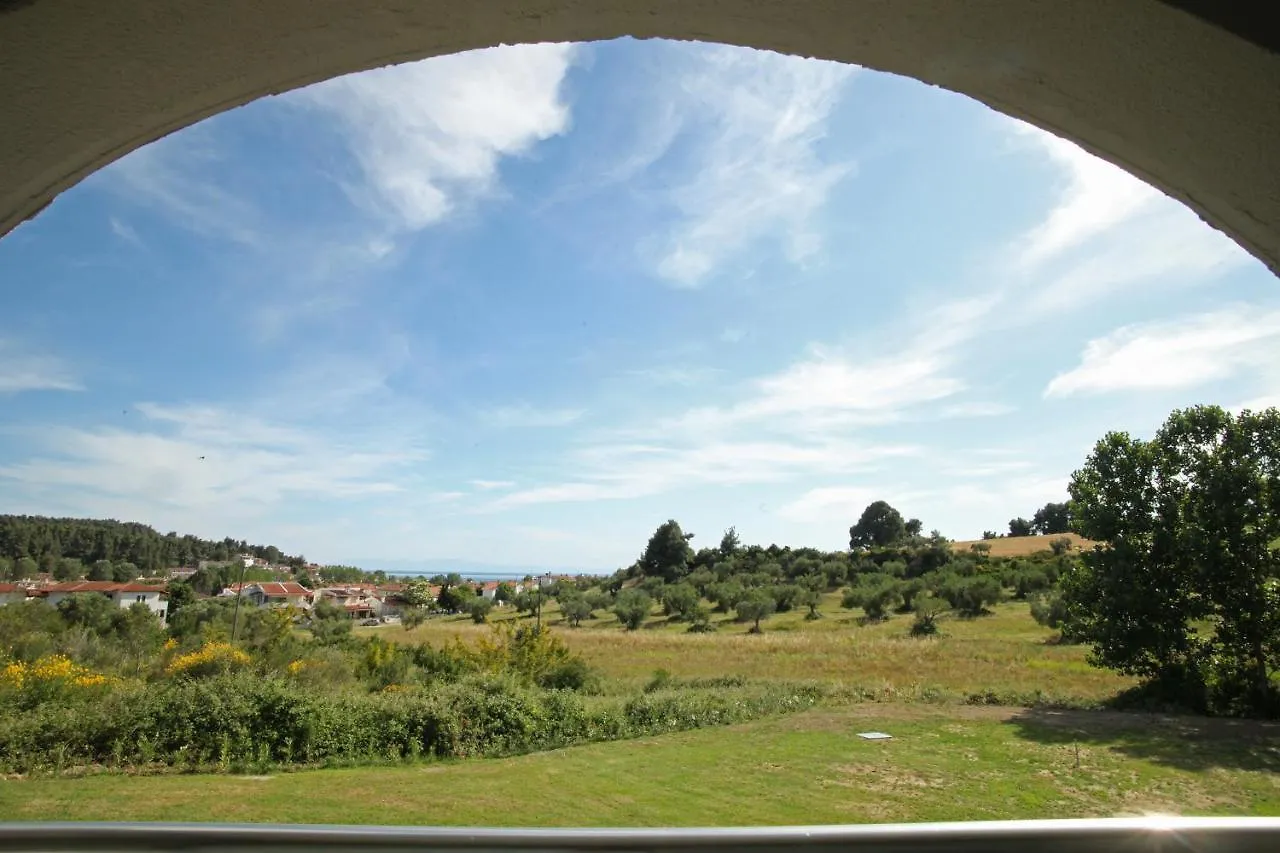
(428, 136)
(749, 124)
(190, 459)
(124, 231)
(1097, 196)
(687, 376)
(1182, 353)
(525, 415)
(621, 471)
(492, 485)
(21, 370)
(175, 176)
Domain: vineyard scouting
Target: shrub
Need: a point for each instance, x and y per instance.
(754, 607)
(212, 658)
(632, 608)
(927, 609)
(479, 608)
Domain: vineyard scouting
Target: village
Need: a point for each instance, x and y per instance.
(368, 603)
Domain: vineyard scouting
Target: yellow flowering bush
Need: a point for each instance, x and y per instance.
(296, 666)
(49, 677)
(213, 657)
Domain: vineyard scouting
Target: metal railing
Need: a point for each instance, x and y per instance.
(1117, 835)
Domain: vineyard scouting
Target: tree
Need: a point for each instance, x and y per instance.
(927, 609)
(479, 608)
(180, 595)
(575, 609)
(667, 554)
(755, 606)
(101, 570)
(456, 599)
(25, 567)
(1020, 527)
(1061, 545)
(412, 617)
(914, 527)
(1052, 518)
(632, 608)
(417, 594)
(877, 595)
(329, 625)
(810, 598)
(878, 526)
(68, 569)
(124, 572)
(87, 609)
(504, 593)
(1189, 522)
(680, 600)
(729, 543)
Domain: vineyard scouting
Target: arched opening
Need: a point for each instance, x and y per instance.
(805, 408)
(1179, 101)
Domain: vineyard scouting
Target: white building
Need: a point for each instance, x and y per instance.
(125, 595)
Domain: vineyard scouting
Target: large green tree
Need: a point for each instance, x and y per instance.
(1186, 586)
(668, 553)
(879, 525)
(1052, 518)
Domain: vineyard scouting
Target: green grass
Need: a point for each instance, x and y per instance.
(944, 763)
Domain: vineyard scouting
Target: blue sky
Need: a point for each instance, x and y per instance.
(523, 305)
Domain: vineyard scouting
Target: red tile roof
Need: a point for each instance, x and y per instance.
(101, 586)
(287, 588)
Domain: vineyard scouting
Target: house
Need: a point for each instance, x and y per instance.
(278, 594)
(12, 593)
(181, 574)
(123, 594)
(356, 600)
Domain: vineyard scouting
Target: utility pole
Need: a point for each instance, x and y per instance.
(538, 607)
(235, 619)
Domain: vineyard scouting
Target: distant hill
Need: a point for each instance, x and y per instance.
(50, 541)
(1021, 546)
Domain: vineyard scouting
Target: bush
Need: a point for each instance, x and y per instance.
(632, 608)
(927, 609)
(479, 609)
(971, 596)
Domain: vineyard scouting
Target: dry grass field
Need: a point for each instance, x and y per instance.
(1005, 653)
(1021, 546)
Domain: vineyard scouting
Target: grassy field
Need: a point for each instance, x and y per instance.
(948, 760)
(944, 763)
(1021, 546)
(1005, 652)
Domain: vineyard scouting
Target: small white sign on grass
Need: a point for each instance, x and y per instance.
(874, 736)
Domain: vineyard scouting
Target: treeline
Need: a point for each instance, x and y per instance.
(68, 548)
(892, 568)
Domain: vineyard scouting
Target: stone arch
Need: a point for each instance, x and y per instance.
(1185, 100)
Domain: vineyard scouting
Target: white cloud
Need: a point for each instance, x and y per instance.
(524, 415)
(199, 466)
(24, 371)
(492, 485)
(1097, 197)
(172, 175)
(428, 135)
(829, 390)
(686, 376)
(124, 231)
(755, 118)
(976, 409)
(1182, 353)
(622, 471)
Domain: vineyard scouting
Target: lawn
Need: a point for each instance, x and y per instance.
(944, 763)
(1005, 652)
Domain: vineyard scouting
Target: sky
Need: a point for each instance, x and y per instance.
(520, 306)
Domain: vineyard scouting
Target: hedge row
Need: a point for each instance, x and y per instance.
(239, 721)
